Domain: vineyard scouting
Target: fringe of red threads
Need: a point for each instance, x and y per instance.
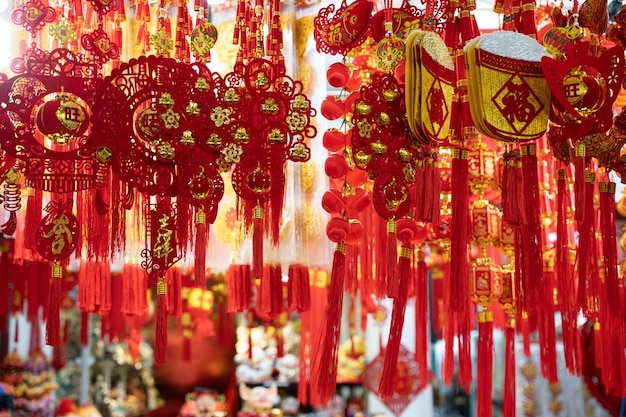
(32, 219)
(257, 243)
(325, 360)
(239, 281)
(421, 320)
(392, 254)
(53, 322)
(458, 307)
(200, 245)
(579, 182)
(380, 257)
(586, 280)
(298, 289)
(160, 343)
(387, 379)
(484, 365)
(509, 406)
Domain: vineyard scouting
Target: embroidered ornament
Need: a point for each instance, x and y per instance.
(403, 20)
(58, 232)
(389, 53)
(508, 97)
(344, 30)
(33, 16)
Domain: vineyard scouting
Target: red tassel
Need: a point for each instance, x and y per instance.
(239, 288)
(579, 182)
(484, 365)
(565, 276)
(586, 246)
(299, 290)
(160, 341)
(435, 216)
(32, 219)
(84, 328)
(380, 257)
(609, 247)
(392, 254)
(421, 320)
(325, 369)
(53, 322)
(459, 263)
(264, 293)
(390, 366)
(525, 328)
(257, 243)
(200, 249)
(419, 189)
(429, 170)
(508, 407)
(276, 287)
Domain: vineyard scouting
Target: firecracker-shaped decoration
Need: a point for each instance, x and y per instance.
(160, 254)
(33, 16)
(508, 96)
(57, 236)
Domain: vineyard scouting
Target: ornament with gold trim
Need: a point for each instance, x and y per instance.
(62, 119)
(485, 223)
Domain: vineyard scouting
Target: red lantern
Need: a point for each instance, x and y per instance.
(62, 119)
(486, 280)
(485, 220)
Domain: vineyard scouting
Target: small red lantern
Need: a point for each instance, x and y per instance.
(485, 221)
(482, 167)
(62, 119)
(486, 280)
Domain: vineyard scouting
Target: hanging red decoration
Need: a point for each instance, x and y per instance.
(339, 31)
(101, 47)
(33, 16)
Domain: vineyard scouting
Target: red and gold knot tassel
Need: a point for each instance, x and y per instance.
(160, 344)
(53, 323)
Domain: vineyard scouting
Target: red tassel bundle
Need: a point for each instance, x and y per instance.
(53, 322)
(392, 254)
(160, 342)
(421, 320)
(239, 284)
(298, 289)
(33, 217)
(458, 307)
(200, 246)
(387, 379)
(257, 243)
(324, 371)
(586, 249)
(484, 365)
(509, 406)
(579, 182)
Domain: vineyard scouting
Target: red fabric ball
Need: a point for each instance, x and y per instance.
(337, 229)
(338, 74)
(332, 201)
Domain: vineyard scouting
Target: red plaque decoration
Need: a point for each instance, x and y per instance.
(406, 383)
(33, 16)
(337, 32)
(160, 254)
(57, 236)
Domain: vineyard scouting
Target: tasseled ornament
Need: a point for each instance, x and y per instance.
(579, 182)
(239, 284)
(53, 322)
(33, 217)
(509, 406)
(298, 289)
(609, 246)
(484, 365)
(513, 208)
(586, 244)
(257, 243)
(160, 344)
(12, 200)
(458, 308)
(392, 350)
(421, 320)
(200, 246)
(392, 254)
(565, 277)
(325, 360)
